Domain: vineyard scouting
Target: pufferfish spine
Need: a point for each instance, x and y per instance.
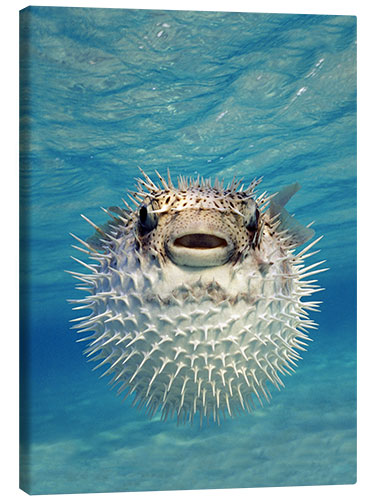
(197, 298)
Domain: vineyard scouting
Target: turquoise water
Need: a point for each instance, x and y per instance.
(106, 91)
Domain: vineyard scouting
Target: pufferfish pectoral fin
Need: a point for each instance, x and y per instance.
(119, 211)
(298, 232)
(113, 226)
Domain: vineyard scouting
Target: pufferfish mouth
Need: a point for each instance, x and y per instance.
(200, 241)
(199, 249)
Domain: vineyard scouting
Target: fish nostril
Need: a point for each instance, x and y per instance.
(200, 241)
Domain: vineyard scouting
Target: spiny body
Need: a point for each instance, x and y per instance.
(197, 297)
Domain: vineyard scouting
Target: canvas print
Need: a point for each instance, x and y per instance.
(188, 250)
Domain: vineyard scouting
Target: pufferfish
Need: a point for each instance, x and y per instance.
(197, 297)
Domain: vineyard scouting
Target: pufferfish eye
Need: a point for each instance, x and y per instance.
(251, 216)
(147, 220)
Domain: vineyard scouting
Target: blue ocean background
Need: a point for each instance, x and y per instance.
(104, 91)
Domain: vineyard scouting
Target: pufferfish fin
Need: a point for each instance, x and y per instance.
(120, 211)
(113, 227)
(299, 233)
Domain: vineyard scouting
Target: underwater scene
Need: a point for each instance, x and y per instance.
(213, 95)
